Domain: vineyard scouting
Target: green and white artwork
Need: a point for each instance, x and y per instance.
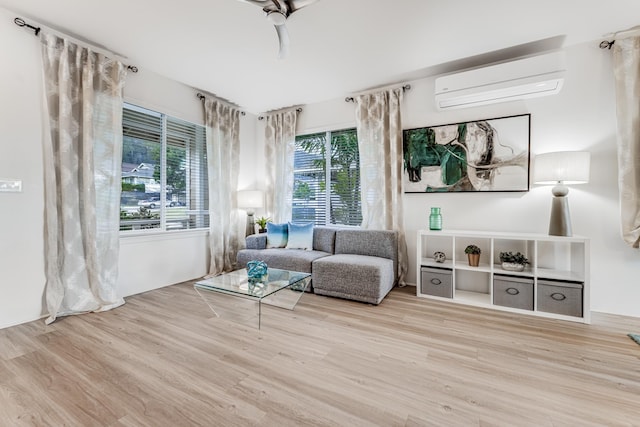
(483, 155)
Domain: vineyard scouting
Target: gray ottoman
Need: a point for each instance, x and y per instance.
(357, 277)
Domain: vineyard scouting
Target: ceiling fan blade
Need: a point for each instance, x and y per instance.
(270, 5)
(283, 39)
(298, 4)
(261, 3)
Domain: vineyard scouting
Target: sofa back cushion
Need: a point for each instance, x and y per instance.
(256, 241)
(380, 243)
(324, 239)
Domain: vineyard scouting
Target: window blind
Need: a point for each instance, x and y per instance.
(309, 180)
(137, 124)
(345, 206)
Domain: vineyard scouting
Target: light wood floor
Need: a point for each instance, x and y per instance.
(164, 359)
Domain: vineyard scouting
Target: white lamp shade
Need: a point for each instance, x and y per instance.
(567, 167)
(250, 199)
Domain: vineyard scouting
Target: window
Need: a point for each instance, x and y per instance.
(164, 172)
(321, 158)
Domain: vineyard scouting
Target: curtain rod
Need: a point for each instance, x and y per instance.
(36, 30)
(606, 44)
(352, 99)
(298, 110)
(201, 97)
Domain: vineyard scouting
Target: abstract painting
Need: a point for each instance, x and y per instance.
(483, 155)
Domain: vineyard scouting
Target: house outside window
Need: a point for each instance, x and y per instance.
(327, 157)
(164, 172)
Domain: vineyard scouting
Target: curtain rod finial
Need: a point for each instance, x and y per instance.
(605, 44)
(21, 23)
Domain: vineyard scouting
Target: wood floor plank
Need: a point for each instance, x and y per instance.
(165, 359)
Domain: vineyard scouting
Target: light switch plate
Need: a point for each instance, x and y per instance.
(11, 185)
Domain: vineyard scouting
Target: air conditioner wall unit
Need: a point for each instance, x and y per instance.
(508, 81)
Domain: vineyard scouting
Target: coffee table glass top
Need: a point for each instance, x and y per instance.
(280, 288)
(237, 282)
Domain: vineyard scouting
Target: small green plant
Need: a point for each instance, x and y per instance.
(517, 258)
(262, 222)
(472, 249)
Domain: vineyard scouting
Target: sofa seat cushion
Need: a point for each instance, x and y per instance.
(284, 259)
(358, 277)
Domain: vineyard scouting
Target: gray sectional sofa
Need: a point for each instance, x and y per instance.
(355, 264)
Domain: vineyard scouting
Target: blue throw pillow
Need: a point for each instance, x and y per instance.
(300, 236)
(277, 235)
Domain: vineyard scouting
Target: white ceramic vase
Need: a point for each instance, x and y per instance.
(512, 266)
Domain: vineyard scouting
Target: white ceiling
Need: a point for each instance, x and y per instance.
(338, 47)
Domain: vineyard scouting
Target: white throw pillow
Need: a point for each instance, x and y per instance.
(300, 236)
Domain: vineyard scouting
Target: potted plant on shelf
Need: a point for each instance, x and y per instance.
(473, 253)
(262, 223)
(513, 262)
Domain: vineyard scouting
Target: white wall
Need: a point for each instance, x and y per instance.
(21, 234)
(146, 262)
(581, 117)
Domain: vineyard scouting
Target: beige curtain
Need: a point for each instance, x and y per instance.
(379, 126)
(280, 138)
(82, 152)
(626, 57)
(223, 156)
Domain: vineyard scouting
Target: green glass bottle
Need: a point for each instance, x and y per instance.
(435, 219)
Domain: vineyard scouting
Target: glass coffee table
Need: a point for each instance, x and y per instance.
(280, 288)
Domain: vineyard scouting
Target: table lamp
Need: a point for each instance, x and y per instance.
(250, 200)
(561, 168)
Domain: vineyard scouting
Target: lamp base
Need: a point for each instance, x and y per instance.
(560, 222)
(250, 228)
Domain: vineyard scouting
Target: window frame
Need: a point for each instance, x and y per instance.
(201, 215)
(328, 169)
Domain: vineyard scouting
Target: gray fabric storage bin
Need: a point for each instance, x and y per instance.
(436, 281)
(560, 297)
(512, 291)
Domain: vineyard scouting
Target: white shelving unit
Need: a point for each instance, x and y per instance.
(557, 264)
